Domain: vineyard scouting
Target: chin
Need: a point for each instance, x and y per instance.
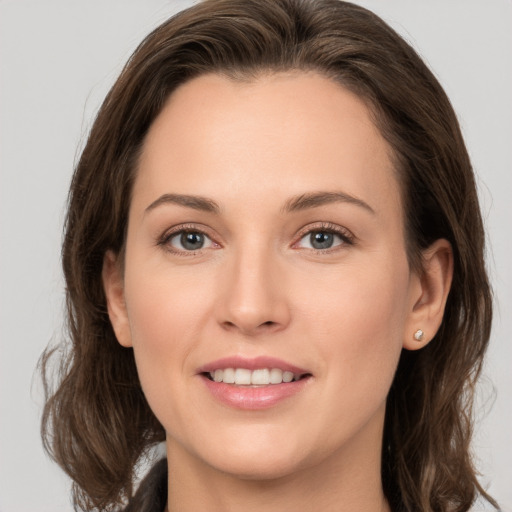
(257, 457)
(267, 468)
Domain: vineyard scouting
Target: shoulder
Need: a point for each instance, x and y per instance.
(151, 496)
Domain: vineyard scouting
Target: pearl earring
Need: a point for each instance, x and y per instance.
(418, 335)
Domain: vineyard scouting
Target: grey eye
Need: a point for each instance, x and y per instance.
(189, 241)
(192, 241)
(321, 240)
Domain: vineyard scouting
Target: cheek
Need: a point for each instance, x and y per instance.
(165, 304)
(366, 302)
(165, 313)
(357, 323)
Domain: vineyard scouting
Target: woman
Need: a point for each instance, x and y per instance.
(274, 263)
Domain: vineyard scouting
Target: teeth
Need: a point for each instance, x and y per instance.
(287, 376)
(276, 376)
(228, 375)
(259, 377)
(242, 376)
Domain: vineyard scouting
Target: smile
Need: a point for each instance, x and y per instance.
(258, 377)
(253, 384)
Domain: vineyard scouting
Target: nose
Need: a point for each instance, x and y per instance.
(254, 299)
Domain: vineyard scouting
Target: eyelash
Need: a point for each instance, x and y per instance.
(165, 239)
(347, 238)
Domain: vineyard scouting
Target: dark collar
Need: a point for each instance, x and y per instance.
(151, 496)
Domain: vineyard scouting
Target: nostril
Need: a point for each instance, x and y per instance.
(250, 328)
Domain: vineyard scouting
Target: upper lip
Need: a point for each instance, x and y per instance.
(254, 363)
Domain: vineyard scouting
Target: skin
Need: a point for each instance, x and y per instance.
(258, 287)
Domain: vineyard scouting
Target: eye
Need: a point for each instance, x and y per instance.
(325, 238)
(187, 240)
(320, 240)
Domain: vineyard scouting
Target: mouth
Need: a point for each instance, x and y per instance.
(254, 378)
(254, 383)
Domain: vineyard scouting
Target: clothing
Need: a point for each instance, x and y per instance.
(151, 496)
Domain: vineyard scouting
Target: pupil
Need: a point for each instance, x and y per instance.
(192, 241)
(321, 240)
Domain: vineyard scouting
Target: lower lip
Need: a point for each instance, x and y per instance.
(254, 398)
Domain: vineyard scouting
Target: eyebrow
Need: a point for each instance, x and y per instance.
(195, 202)
(297, 203)
(316, 199)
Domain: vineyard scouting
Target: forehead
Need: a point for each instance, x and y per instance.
(282, 133)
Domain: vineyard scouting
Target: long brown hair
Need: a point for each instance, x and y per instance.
(97, 423)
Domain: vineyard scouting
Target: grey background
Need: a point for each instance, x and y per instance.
(58, 59)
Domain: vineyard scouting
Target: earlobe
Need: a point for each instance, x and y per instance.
(113, 285)
(429, 295)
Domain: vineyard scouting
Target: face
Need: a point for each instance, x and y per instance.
(266, 244)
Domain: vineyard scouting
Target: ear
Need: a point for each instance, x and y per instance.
(113, 284)
(429, 292)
